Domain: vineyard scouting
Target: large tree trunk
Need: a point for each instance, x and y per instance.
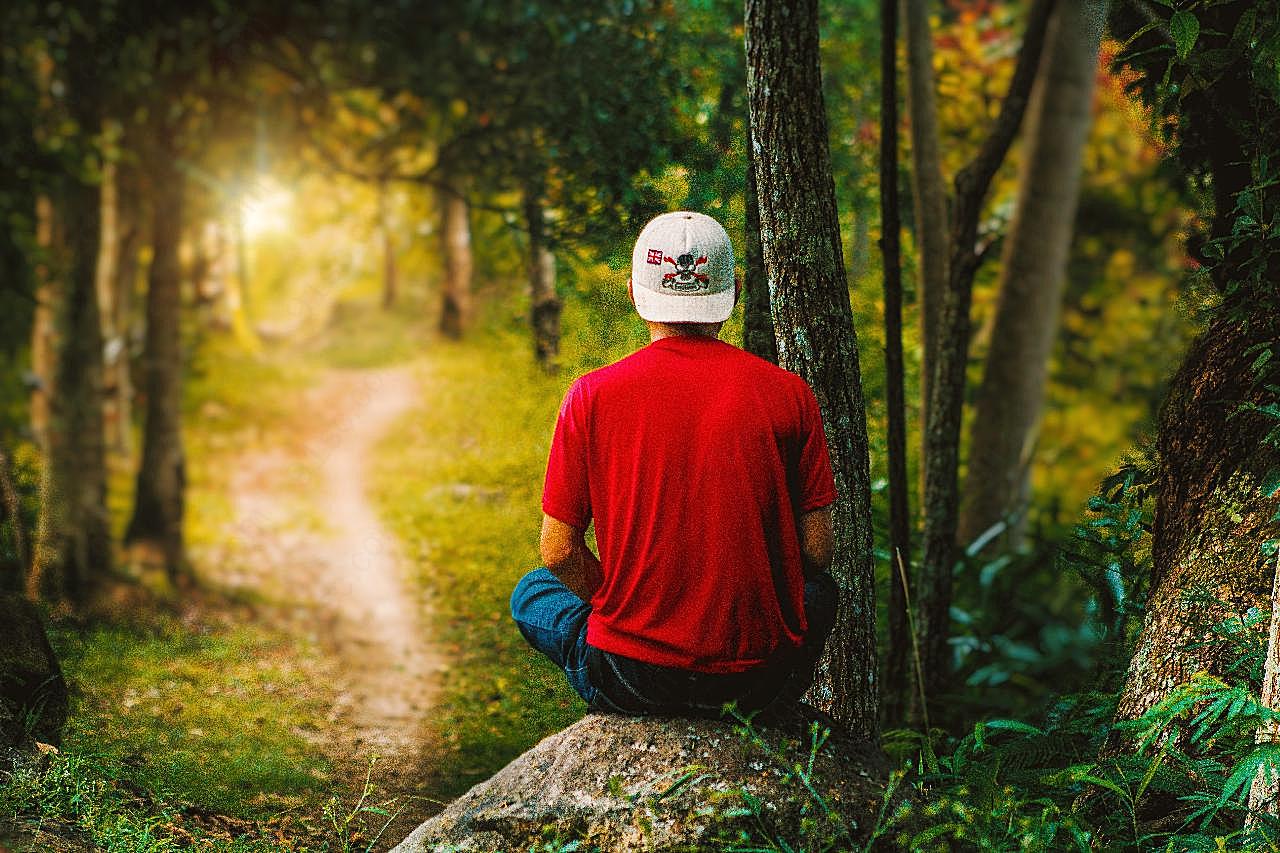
(1033, 273)
(1214, 510)
(928, 189)
(73, 536)
(809, 295)
(155, 530)
(896, 679)
(947, 391)
(455, 245)
(390, 277)
(544, 301)
(757, 323)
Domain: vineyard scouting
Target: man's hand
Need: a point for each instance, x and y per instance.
(817, 540)
(566, 555)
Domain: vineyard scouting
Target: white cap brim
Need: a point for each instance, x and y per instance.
(683, 308)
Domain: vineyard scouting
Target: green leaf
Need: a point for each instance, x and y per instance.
(1185, 29)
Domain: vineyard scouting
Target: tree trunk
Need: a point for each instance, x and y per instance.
(455, 244)
(1264, 792)
(390, 278)
(114, 350)
(238, 285)
(11, 512)
(155, 531)
(73, 536)
(809, 297)
(757, 323)
(544, 303)
(130, 234)
(896, 678)
(44, 320)
(928, 190)
(1033, 273)
(947, 391)
(1214, 511)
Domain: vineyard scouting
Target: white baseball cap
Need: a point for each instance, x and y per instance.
(682, 270)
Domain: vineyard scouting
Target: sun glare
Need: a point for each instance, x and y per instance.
(266, 209)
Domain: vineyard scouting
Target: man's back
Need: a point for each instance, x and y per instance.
(695, 460)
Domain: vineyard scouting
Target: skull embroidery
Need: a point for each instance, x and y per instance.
(686, 277)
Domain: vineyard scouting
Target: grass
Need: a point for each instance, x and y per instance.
(217, 716)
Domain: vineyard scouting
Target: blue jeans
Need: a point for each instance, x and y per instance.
(554, 621)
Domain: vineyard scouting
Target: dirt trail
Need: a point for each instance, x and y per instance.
(304, 517)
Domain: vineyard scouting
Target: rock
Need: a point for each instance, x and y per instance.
(33, 696)
(662, 784)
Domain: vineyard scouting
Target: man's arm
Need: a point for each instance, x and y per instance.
(566, 555)
(817, 540)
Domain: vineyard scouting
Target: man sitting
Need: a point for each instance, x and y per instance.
(705, 470)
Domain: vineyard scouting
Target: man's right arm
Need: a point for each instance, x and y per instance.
(566, 555)
(817, 541)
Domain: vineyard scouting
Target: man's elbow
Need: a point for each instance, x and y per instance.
(557, 543)
(555, 554)
(817, 540)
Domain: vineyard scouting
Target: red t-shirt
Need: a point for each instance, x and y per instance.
(695, 459)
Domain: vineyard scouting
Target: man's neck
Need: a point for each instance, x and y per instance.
(658, 331)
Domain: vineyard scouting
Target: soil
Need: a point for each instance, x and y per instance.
(307, 534)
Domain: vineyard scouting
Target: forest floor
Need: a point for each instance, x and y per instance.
(307, 532)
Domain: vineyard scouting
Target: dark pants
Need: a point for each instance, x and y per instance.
(554, 621)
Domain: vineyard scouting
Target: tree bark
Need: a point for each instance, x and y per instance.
(757, 324)
(809, 297)
(942, 431)
(1213, 513)
(390, 277)
(544, 301)
(928, 189)
(114, 351)
(896, 679)
(1033, 274)
(73, 549)
(1264, 792)
(455, 244)
(155, 529)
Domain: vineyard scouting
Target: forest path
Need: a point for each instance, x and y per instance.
(303, 513)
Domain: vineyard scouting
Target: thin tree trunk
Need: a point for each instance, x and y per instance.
(455, 244)
(928, 189)
(44, 321)
(1033, 274)
(156, 525)
(11, 511)
(544, 303)
(73, 549)
(896, 678)
(757, 323)
(238, 287)
(390, 277)
(809, 296)
(108, 254)
(1264, 793)
(119, 350)
(942, 431)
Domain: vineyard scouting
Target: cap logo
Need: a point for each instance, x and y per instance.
(654, 257)
(686, 276)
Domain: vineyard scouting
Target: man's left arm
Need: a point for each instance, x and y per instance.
(566, 555)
